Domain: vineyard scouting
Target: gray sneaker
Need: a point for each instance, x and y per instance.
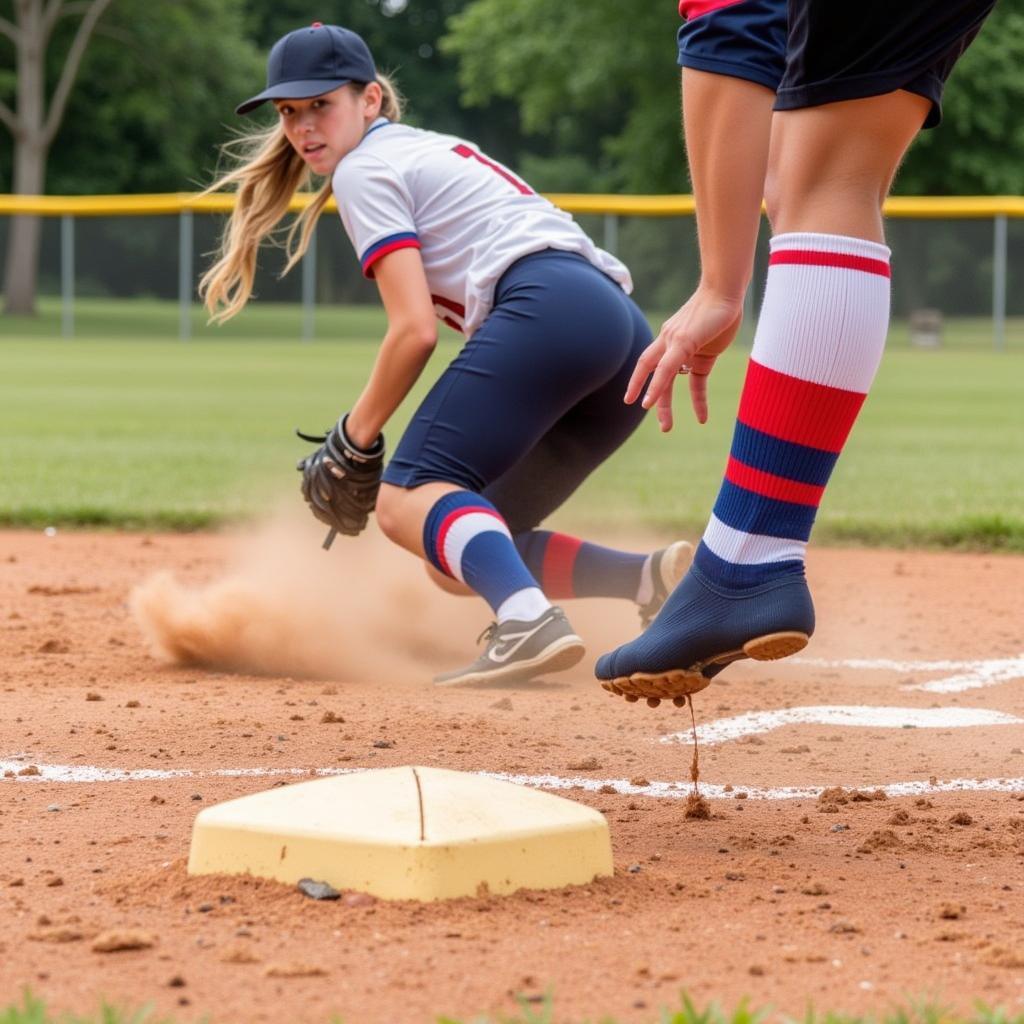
(668, 567)
(521, 650)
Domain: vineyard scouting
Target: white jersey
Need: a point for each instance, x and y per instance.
(470, 217)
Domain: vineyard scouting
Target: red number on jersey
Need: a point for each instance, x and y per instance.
(472, 154)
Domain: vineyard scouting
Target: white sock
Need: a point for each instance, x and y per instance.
(523, 606)
(646, 589)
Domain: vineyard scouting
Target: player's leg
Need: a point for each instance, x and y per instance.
(584, 438)
(819, 340)
(507, 387)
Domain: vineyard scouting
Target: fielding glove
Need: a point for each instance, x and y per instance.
(340, 480)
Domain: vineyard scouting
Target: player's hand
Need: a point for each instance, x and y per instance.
(340, 480)
(689, 342)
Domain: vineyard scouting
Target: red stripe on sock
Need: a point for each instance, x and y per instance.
(768, 485)
(797, 410)
(447, 523)
(559, 562)
(831, 259)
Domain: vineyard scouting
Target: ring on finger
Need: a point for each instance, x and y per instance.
(685, 368)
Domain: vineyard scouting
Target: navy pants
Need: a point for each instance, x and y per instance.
(532, 403)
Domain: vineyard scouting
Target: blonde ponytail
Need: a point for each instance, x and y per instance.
(392, 102)
(267, 175)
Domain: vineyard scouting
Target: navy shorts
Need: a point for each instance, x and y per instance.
(822, 51)
(532, 404)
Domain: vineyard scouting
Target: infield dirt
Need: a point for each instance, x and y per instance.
(845, 900)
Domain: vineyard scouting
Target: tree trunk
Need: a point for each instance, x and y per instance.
(22, 264)
(33, 127)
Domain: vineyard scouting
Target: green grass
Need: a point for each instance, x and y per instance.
(124, 429)
(33, 1011)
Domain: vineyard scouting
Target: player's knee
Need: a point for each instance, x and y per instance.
(773, 198)
(389, 517)
(446, 583)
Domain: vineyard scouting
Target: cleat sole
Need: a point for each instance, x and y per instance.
(678, 684)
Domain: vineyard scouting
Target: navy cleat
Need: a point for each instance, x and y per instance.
(703, 627)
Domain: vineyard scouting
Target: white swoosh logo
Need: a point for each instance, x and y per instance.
(514, 642)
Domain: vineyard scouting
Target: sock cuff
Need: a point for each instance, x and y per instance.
(452, 522)
(846, 245)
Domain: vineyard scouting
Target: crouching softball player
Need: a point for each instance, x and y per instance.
(528, 408)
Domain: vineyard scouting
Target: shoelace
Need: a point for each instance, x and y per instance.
(488, 633)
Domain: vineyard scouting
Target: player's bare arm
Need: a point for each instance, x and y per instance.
(407, 346)
(727, 125)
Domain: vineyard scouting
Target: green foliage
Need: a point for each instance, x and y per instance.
(979, 148)
(611, 95)
(155, 87)
(33, 1011)
(596, 79)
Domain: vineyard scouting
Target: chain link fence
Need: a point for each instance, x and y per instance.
(958, 280)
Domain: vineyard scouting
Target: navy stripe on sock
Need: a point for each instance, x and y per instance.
(782, 458)
(492, 567)
(531, 545)
(751, 513)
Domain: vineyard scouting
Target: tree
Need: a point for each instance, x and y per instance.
(612, 96)
(156, 87)
(979, 148)
(404, 36)
(34, 122)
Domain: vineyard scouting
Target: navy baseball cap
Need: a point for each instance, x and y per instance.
(311, 61)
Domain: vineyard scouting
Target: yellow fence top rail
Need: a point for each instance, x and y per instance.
(633, 206)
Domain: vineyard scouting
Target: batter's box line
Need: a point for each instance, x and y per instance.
(65, 773)
(970, 675)
(754, 723)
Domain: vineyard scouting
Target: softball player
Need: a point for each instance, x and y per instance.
(851, 85)
(528, 408)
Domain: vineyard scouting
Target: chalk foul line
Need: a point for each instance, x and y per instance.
(969, 675)
(755, 722)
(66, 773)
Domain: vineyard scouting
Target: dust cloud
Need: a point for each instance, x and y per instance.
(284, 606)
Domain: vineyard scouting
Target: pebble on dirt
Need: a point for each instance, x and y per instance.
(317, 890)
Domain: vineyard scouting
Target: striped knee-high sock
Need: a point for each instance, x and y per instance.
(465, 537)
(819, 341)
(569, 567)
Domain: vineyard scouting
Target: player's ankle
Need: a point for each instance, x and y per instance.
(739, 576)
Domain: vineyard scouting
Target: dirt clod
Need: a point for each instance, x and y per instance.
(697, 808)
(119, 940)
(880, 839)
(295, 970)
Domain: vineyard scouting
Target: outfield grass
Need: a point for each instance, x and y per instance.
(129, 430)
(33, 1011)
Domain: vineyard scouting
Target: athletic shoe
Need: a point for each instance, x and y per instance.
(668, 567)
(702, 628)
(521, 650)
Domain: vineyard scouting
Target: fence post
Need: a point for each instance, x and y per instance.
(309, 291)
(67, 276)
(999, 283)
(185, 275)
(611, 233)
